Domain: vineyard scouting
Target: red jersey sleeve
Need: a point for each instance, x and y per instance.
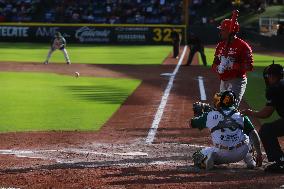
(245, 59)
(248, 58)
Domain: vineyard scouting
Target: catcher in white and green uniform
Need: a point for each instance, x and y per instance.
(58, 42)
(231, 136)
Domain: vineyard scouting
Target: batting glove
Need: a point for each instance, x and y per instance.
(224, 61)
(221, 69)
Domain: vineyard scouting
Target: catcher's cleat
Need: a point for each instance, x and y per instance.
(68, 62)
(203, 162)
(250, 158)
(251, 165)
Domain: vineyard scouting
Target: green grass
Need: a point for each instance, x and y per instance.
(44, 102)
(89, 54)
(255, 91)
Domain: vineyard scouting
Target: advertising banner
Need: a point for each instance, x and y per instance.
(95, 34)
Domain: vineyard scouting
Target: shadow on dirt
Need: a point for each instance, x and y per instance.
(221, 177)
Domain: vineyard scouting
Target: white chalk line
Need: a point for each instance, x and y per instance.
(201, 88)
(95, 163)
(155, 124)
(126, 159)
(29, 153)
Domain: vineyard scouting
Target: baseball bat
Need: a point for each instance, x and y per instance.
(234, 18)
(235, 15)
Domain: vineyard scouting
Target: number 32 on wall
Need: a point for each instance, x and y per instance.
(164, 34)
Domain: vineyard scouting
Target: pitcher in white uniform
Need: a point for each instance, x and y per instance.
(232, 136)
(58, 43)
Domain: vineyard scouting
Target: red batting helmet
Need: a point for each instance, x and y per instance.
(226, 24)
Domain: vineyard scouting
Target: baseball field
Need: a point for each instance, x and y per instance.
(123, 123)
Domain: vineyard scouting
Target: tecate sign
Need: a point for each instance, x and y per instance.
(6, 31)
(86, 34)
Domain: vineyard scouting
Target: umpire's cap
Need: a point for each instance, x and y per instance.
(273, 69)
(228, 99)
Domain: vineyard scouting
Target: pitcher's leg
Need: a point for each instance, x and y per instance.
(48, 55)
(66, 56)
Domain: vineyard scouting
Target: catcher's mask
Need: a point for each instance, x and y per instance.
(226, 24)
(228, 99)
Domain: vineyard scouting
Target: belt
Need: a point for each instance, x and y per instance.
(231, 147)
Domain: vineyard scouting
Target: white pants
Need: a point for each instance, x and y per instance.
(222, 156)
(64, 51)
(237, 85)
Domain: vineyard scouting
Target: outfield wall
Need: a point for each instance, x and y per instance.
(91, 33)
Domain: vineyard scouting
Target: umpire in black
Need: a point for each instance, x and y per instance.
(269, 132)
(195, 45)
(176, 40)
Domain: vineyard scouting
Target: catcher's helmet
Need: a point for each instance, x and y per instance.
(226, 24)
(228, 99)
(273, 69)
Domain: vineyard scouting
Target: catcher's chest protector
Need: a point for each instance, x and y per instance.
(227, 122)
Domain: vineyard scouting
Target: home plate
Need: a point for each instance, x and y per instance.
(167, 74)
(132, 154)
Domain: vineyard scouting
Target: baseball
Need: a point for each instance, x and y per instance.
(77, 74)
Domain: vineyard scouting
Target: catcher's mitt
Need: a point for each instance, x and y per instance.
(199, 108)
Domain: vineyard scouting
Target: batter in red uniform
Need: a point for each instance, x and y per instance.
(233, 59)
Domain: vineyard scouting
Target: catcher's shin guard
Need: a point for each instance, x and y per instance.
(203, 161)
(250, 160)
